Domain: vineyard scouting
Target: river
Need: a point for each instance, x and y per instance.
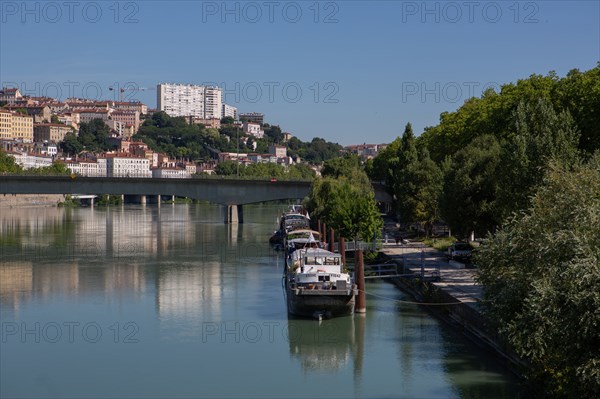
(149, 301)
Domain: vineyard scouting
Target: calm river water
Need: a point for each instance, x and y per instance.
(148, 301)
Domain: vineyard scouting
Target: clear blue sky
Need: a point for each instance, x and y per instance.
(347, 71)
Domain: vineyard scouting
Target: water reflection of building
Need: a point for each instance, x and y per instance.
(47, 251)
(22, 281)
(16, 285)
(329, 345)
(188, 295)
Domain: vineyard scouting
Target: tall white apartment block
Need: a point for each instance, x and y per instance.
(213, 103)
(189, 100)
(229, 110)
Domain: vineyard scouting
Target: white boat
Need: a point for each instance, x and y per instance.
(290, 221)
(316, 282)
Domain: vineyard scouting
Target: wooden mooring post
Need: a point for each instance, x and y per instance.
(359, 275)
(331, 240)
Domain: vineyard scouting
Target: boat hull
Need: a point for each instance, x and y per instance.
(319, 303)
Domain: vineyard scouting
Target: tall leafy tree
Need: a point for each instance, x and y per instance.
(428, 179)
(539, 135)
(541, 279)
(468, 203)
(380, 169)
(348, 208)
(402, 170)
(344, 199)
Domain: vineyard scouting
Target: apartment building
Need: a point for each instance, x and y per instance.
(40, 113)
(87, 168)
(254, 117)
(10, 95)
(229, 110)
(130, 106)
(253, 129)
(127, 165)
(22, 127)
(279, 151)
(5, 124)
(51, 132)
(127, 117)
(88, 114)
(189, 100)
(170, 173)
(30, 160)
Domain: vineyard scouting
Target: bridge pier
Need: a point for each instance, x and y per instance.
(153, 199)
(134, 199)
(234, 214)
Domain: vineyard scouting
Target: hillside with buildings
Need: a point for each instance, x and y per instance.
(191, 131)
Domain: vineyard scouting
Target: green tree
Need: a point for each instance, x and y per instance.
(404, 182)
(94, 135)
(541, 279)
(301, 171)
(428, 180)
(227, 120)
(492, 113)
(349, 209)
(56, 169)
(229, 168)
(273, 134)
(382, 164)
(71, 144)
(468, 202)
(540, 134)
(8, 164)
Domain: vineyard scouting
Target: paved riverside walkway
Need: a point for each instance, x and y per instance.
(461, 284)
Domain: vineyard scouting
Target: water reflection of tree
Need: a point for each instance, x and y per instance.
(327, 345)
(474, 372)
(44, 230)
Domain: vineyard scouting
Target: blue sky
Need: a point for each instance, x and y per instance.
(347, 71)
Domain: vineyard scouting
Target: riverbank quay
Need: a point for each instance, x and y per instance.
(30, 200)
(448, 290)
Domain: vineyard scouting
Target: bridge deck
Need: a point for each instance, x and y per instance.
(219, 191)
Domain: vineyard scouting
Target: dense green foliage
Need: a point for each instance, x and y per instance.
(468, 200)
(175, 137)
(315, 152)
(178, 139)
(93, 137)
(8, 164)
(541, 274)
(271, 170)
(344, 199)
(491, 154)
(56, 169)
(412, 177)
(578, 93)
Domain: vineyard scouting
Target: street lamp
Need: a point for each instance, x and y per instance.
(237, 130)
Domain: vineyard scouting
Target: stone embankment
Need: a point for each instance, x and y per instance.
(25, 200)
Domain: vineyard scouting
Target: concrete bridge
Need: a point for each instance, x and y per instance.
(231, 193)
